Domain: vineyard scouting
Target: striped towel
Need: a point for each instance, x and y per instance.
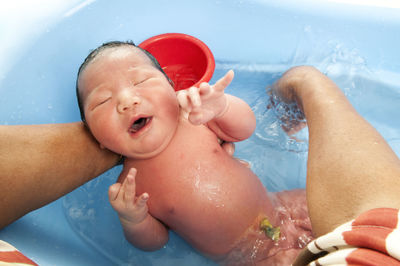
(373, 238)
(9, 255)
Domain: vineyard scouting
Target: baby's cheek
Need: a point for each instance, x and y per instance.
(172, 116)
(173, 109)
(104, 130)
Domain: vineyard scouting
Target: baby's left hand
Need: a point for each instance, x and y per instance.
(206, 102)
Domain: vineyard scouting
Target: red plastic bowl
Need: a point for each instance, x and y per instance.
(185, 59)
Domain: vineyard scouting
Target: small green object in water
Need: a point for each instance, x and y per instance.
(272, 232)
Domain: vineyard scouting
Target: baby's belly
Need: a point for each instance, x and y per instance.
(211, 205)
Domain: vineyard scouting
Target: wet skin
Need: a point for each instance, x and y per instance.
(200, 191)
(194, 186)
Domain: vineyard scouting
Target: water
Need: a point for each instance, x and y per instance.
(278, 159)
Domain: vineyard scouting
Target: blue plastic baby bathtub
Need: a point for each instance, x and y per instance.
(43, 46)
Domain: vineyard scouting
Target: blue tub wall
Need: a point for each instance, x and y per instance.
(38, 70)
(241, 31)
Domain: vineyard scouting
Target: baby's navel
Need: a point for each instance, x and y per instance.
(270, 231)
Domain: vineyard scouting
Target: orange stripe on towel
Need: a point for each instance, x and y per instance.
(371, 229)
(382, 217)
(15, 257)
(362, 256)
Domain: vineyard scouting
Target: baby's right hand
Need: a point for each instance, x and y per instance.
(130, 208)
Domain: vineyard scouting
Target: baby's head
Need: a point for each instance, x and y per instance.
(126, 100)
(114, 44)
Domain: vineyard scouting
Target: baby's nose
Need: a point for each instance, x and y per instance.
(127, 101)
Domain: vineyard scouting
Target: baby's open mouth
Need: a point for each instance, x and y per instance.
(139, 124)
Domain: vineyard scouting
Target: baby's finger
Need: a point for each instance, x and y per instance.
(245, 163)
(113, 191)
(204, 88)
(183, 101)
(141, 201)
(222, 83)
(194, 96)
(229, 147)
(126, 184)
(196, 118)
(130, 189)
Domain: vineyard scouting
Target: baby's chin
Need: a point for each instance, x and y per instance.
(142, 156)
(148, 150)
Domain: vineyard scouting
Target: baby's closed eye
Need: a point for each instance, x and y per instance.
(100, 102)
(141, 81)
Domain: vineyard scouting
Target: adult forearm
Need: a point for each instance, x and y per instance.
(40, 163)
(350, 167)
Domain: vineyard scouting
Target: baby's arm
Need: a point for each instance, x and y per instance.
(228, 116)
(140, 228)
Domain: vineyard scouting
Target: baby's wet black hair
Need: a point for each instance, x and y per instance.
(93, 54)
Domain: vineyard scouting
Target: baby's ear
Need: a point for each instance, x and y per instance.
(102, 147)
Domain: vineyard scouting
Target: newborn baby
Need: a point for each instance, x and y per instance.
(177, 175)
